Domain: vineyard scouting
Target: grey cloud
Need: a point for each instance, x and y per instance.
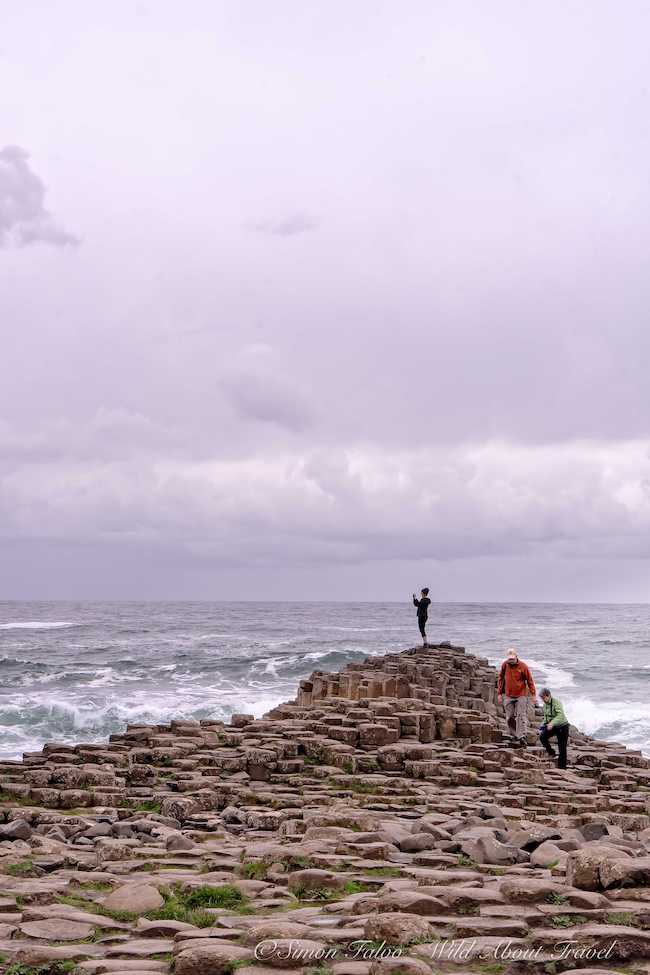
(290, 226)
(268, 400)
(259, 389)
(359, 505)
(107, 434)
(23, 215)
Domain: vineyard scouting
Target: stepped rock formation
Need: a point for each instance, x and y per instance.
(376, 824)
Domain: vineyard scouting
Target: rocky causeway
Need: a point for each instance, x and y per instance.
(376, 825)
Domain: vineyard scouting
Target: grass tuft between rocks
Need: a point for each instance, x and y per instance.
(382, 872)
(191, 906)
(468, 909)
(15, 800)
(554, 898)
(253, 869)
(24, 868)
(625, 918)
(327, 894)
(299, 862)
(148, 805)
(359, 786)
(180, 905)
(49, 968)
(567, 920)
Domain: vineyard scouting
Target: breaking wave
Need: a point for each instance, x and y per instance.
(71, 672)
(36, 625)
(628, 724)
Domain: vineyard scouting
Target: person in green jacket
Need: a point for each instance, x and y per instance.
(555, 724)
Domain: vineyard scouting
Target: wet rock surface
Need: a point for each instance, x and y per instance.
(377, 823)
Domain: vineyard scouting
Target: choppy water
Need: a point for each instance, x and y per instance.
(80, 671)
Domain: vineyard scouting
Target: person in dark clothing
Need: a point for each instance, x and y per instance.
(422, 605)
(555, 723)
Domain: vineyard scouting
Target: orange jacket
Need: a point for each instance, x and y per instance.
(515, 680)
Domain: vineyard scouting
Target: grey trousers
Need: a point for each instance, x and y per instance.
(517, 715)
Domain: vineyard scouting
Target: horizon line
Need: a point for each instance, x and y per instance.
(342, 602)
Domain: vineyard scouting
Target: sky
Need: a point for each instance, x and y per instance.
(316, 300)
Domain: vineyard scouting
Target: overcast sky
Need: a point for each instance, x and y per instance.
(325, 299)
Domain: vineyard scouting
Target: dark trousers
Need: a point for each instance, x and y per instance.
(562, 735)
(422, 622)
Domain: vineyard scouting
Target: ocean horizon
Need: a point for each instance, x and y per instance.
(80, 671)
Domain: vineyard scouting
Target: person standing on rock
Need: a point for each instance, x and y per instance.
(422, 605)
(514, 686)
(555, 723)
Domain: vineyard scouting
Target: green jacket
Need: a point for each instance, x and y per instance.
(554, 713)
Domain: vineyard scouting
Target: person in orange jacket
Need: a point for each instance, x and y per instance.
(515, 684)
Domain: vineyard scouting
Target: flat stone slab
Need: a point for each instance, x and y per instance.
(69, 913)
(137, 898)
(57, 929)
(144, 947)
(122, 965)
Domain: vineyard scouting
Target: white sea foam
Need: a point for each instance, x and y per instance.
(346, 651)
(221, 636)
(250, 703)
(628, 723)
(364, 629)
(35, 625)
(27, 720)
(552, 674)
(27, 679)
(107, 676)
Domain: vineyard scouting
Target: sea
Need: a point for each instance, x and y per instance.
(77, 672)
